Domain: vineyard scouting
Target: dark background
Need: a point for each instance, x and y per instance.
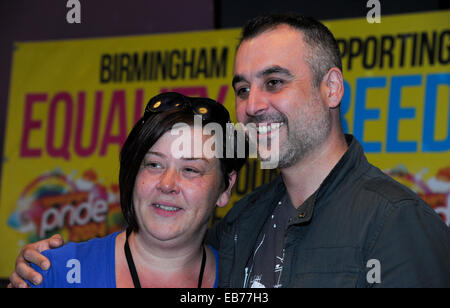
(35, 20)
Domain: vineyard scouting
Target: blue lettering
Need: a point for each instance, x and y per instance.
(362, 113)
(396, 112)
(429, 144)
(345, 106)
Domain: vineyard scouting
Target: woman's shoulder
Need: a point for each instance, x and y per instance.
(216, 256)
(91, 247)
(80, 264)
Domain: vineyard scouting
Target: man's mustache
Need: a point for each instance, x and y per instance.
(267, 118)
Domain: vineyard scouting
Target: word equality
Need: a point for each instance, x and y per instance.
(83, 124)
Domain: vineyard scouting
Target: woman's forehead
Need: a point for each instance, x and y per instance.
(188, 145)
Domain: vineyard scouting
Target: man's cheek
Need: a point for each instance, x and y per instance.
(241, 115)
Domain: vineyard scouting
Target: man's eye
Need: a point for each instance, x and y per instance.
(274, 83)
(242, 92)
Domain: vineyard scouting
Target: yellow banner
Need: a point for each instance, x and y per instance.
(73, 102)
(396, 99)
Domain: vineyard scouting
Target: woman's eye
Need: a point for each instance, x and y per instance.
(153, 165)
(191, 170)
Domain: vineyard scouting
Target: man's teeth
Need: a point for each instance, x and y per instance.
(264, 129)
(167, 208)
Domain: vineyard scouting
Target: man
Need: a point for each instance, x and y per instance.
(330, 219)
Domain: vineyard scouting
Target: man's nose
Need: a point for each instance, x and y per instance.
(256, 103)
(168, 182)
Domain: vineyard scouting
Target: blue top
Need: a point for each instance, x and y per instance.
(88, 264)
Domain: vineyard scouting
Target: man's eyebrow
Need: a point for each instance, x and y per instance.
(274, 70)
(236, 79)
(265, 72)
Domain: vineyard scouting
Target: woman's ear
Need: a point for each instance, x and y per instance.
(225, 196)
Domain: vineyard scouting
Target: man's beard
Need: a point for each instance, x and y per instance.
(303, 135)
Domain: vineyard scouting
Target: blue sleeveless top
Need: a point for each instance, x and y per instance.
(88, 264)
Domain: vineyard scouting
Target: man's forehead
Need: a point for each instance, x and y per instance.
(269, 54)
(282, 34)
(271, 45)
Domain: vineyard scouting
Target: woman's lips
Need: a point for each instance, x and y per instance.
(165, 209)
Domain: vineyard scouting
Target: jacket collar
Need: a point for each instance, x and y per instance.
(352, 164)
(259, 201)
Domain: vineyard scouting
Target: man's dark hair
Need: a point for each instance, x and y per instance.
(324, 52)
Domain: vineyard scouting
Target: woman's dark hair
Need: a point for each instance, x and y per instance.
(152, 126)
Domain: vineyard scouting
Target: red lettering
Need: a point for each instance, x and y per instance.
(188, 91)
(80, 121)
(222, 94)
(117, 110)
(138, 105)
(62, 151)
(29, 124)
(199, 91)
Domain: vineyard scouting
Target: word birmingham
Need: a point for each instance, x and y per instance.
(263, 141)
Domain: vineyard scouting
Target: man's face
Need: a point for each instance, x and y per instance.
(273, 84)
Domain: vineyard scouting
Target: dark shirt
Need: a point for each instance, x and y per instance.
(265, 268)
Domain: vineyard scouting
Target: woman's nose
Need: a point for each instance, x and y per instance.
(169, 182)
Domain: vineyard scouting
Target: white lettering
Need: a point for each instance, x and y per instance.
(73, 15)
(74, 274)
(197, 298)
(181, 146)
(374, 15)
(374, 275)
(93, 210)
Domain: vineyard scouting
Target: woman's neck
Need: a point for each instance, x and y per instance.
(166, 255)
(162, 264)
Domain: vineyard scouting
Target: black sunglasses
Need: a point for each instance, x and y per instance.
(207, 108)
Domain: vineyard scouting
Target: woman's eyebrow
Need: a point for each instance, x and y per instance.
(193, 158)
(156, 153)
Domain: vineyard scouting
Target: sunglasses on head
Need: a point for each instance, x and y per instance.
(207, 108)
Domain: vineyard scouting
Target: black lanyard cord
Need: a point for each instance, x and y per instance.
(202, 268)
(133, 271)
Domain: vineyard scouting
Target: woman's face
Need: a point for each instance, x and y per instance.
(174, 198)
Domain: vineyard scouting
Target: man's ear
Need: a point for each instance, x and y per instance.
(332, 87)
(225, 196)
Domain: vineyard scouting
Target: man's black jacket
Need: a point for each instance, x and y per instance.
(362, 229)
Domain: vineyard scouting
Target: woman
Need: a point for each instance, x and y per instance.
(167, 201)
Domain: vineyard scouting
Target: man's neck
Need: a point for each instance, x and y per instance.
(306, 176)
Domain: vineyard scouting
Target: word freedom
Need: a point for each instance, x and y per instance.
(236, 136)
